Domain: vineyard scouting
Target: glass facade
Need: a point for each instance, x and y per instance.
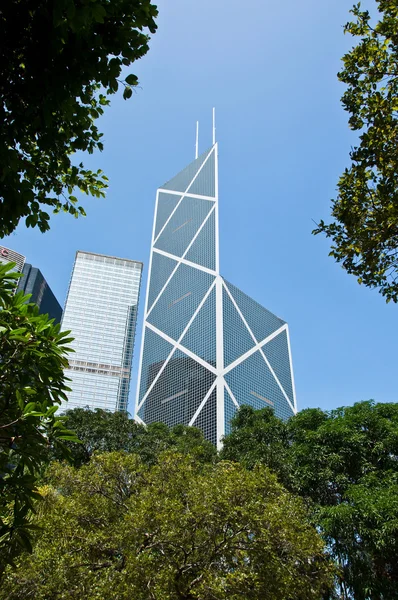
(32, 282)
(207, 347)
(101, 312)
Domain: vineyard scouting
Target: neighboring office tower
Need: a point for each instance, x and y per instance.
(32, 282)
(207, 347)
(101, 311)
(7, 255)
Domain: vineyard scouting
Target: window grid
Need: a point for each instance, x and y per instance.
(183, 225)
(180, 182)
(237, 339)
(252, 380)
(229, 411)
(277, 353)
(179, 382)
(101, 312)
(172, 317)
(178, 392)
(261, 321)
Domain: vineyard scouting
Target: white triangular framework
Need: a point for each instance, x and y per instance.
(206, 347)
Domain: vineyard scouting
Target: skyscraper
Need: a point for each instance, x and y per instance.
(207, 347)
(32, 282)
(7, 255)
(101, 311)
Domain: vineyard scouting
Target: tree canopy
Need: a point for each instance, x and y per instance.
(33, 354)
(364, 230)
(117, 529)
(103, 431)
(346, 463)
(60, 60)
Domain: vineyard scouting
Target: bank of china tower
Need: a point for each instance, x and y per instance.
(207, 347)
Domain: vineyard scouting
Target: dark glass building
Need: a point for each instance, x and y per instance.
(33, 282)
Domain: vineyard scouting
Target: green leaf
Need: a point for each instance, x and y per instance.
(99, 12)
(29, 407)
(132, 79)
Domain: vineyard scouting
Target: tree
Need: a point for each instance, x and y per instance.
(258, 436)
(59, 62)
(116, 529)
(364, 231)
(345, 463)
(103, 431)
(32, 384)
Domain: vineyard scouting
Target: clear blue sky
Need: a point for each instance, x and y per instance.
(270, 70)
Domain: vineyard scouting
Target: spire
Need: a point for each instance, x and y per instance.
(214, 126)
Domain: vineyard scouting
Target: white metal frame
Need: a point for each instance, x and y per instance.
(220, 370)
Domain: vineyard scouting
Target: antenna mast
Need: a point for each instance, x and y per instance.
(197, 140)
(214, 126)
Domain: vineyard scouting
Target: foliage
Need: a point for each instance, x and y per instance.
(59, 62)
(365, 227)
(32, 384)
(103, 431)
(116, 529)
(258, 436)
(346, 463)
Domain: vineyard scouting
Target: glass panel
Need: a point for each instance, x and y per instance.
(203, 250)
(277, 353)
(201, 335)
(261, 321)
(156, 351)
(204, 184)
(178, 392)
(183, 225)
(229, 411)
(179, 300)
(207, 418)
(166, 205)
(252, 383)
(237, 339)
(180, 182)
(162, 268)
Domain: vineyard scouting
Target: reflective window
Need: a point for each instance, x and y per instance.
(101, 312)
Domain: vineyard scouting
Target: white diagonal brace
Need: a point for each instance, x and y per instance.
(145, 311)
(259, 347)
(182, 196)
(187, 194)
(162, 368)
(256, 346)
(179, 261)
(239, 312)
(177, 344)
(253, 350)
(139, 420)
(276, 379)
(231, 394)
(291, 369)
(184, 261)
(201, 405)
(183, 349)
